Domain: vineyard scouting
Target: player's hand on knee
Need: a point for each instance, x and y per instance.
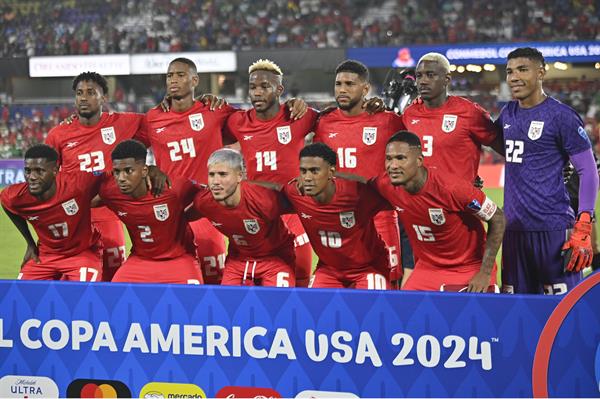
(478, 182)
(577, 251)
(480, 282)
(213, 102)
(297, 107)
(32, 252)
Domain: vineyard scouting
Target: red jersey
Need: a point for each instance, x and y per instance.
(443, 219)
(451, 135)
(156, 225)
(62, 223)
(254, 227)
(88, 148)
(358, 140)
(271, 148)
(342, 232)
(183, 141)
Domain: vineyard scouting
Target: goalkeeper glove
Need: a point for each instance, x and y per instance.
(577, 251)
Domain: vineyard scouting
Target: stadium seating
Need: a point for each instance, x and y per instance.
(135, 26)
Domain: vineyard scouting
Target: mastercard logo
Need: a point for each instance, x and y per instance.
(83, 388)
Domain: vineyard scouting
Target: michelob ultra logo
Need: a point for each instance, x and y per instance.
(26, 386)
(171, 390)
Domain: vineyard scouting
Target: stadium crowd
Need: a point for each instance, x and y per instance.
(135, 26)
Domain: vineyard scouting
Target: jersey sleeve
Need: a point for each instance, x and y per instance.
(53, 141)
(481, 127)
(371, 199)
(142, 131)
(7, 198)
(224, 114)
(467, 198)
(573, 137)
(395, 123)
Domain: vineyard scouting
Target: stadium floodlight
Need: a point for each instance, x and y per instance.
(489, 67)
(561, 66)
(460, 69)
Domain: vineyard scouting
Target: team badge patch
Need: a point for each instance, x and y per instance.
(347, 219)
(535, 130)
(449, 123)
(161, 212)
(251, 226)
(437, 216)
(70, 207)
(284, 134)
(196, 122)
(369, 135)
(108, 135)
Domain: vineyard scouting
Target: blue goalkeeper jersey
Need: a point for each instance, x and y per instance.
(538, 142)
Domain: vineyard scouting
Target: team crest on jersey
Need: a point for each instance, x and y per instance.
(284, 134)
(437, 216)
(535, 130)
(70, 207)
(369, 135)
(449, 123)
(251, 226)
(196, 122)
(161, 212)
(347, 219)
(108, 135)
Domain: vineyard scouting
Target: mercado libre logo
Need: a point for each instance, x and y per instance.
(83, 388)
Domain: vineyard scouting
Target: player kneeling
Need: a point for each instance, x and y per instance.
(261, 248)
(161, 252)
(443, 218)
(58, 207)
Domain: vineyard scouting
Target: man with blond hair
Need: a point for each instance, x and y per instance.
(270, 139)
(448, 125)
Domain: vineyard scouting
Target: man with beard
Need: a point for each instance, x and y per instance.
(57, 204)
(359, 138)
(442, 215)
(261, 248)
(85, 144)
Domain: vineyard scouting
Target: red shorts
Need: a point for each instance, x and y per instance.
(86, 266)
(426, 277)
(386, 224)
(210, 250)
(365, 279)
(268, 272)
(112, 238)
(181, 270)
(303, 249)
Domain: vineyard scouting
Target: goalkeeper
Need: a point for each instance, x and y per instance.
(546, 244)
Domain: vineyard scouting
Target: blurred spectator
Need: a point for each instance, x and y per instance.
(112, 26)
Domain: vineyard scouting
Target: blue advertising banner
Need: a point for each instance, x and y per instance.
(480, 53)
(103, 339)
(11, 171)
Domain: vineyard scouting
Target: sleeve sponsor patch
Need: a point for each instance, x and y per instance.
(488, 209)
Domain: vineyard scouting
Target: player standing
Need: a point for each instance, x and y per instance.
(337, 215)
(57, 204)
(448, 125)
(270, 141)
(359, 138)
(261, 248)
(442, 216)
(541, 135)
(162, 250)
(85, 144)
